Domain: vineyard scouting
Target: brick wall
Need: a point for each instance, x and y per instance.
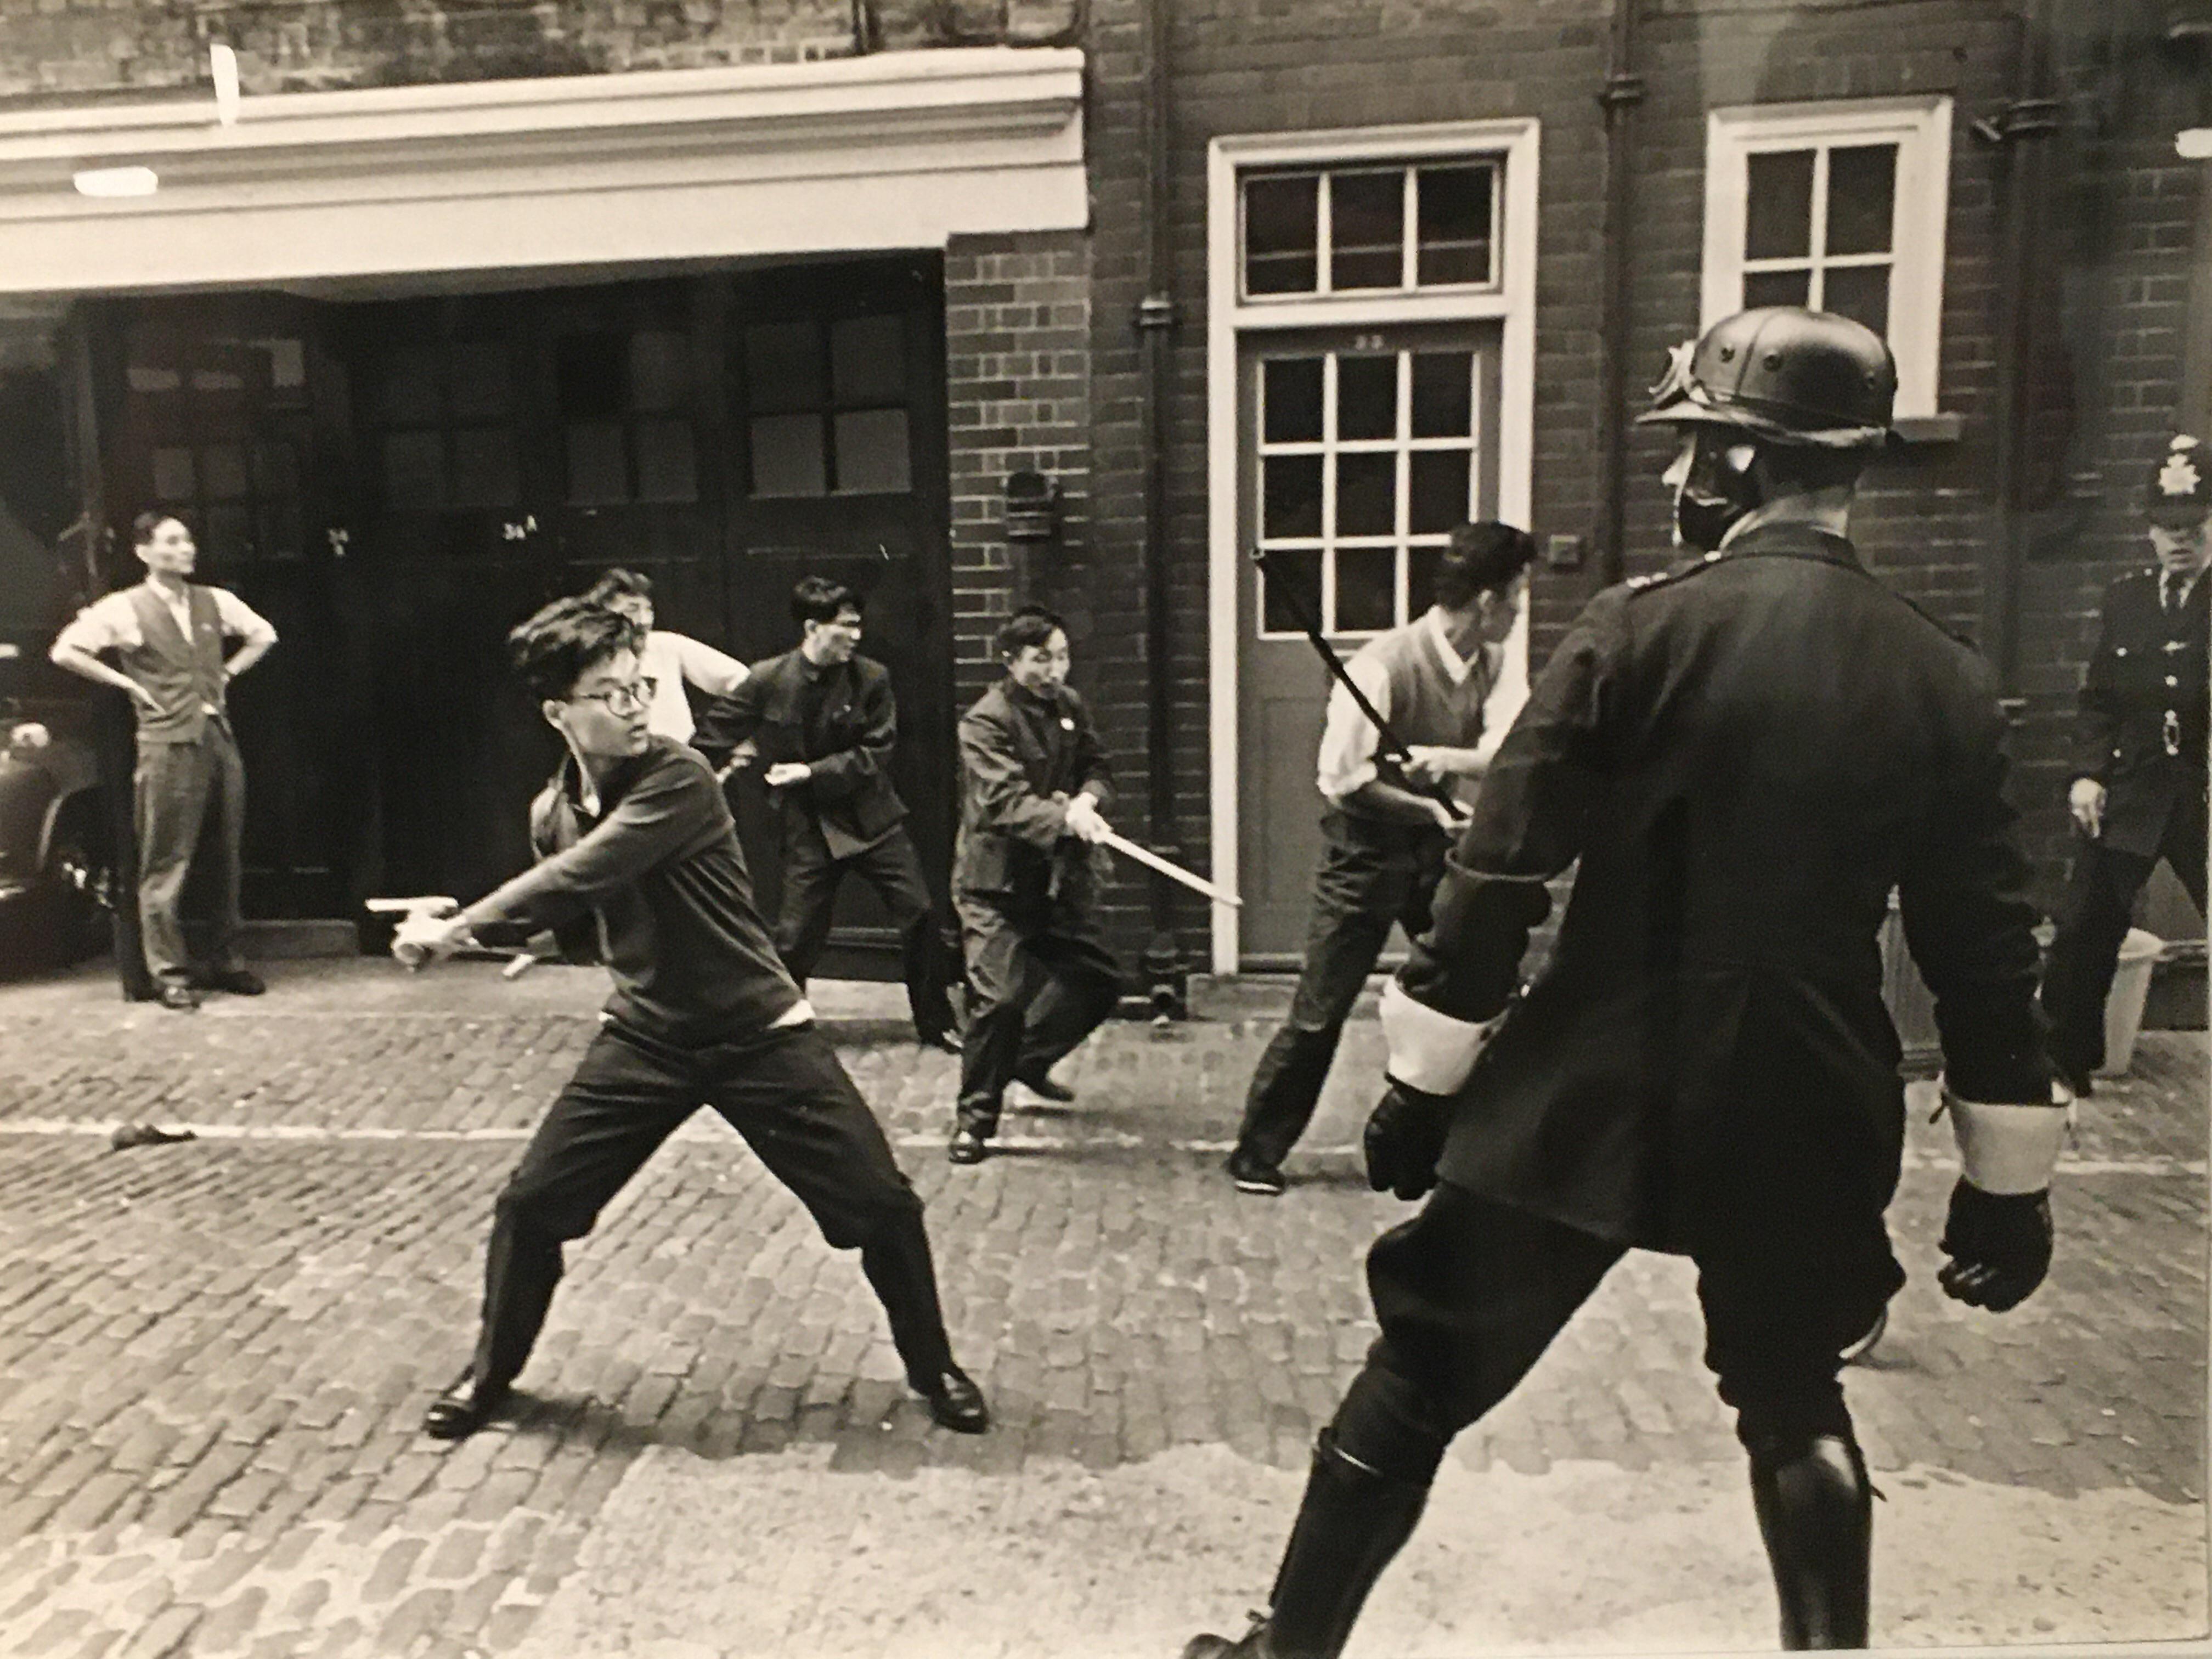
(72, 46)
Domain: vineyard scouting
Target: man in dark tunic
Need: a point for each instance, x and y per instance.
(1747, 755)
(1040, 977)
(703, 1013)
(2138, 793)
(823, 722)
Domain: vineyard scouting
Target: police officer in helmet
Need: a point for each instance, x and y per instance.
(1747, 754)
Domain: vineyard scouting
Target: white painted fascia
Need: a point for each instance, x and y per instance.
(898, 149)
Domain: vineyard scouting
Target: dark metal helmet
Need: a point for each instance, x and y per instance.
(1786, 375)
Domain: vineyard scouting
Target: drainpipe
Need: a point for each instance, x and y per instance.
(1623, 92)
(2024, 127)
(1166, 977)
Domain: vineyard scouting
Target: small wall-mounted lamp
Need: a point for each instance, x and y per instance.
(1032, 508)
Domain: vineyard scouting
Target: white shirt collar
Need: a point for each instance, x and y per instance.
(1457, 666)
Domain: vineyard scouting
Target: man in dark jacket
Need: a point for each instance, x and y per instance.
(2138, 793)
(1747, 755)
(635, 827)
(823, 722)
(1040, 977)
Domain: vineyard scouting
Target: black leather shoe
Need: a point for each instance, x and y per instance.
(1253, 1646)
(945, 1043)
(966, 1147)
(238, 981)
(182, 998)
(1040, 1084)
(2076, 1078)
(1251, 1174)
(955, 1401)
(464, 1408)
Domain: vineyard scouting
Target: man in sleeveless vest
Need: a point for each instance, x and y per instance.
(1383, 843)
(1745, 754)
(2138, 793)
(167, 635)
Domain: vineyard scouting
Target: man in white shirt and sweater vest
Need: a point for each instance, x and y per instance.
(167, 634)
(1383, 843)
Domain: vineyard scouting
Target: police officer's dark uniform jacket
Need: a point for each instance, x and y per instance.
(1746, 755)
(2143, 710)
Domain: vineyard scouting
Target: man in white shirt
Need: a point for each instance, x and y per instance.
(167, 635)
(667, 659)
(1383, 838)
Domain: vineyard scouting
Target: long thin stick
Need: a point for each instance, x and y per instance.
(1152, 861)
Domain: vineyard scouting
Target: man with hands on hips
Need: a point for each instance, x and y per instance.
(1745, 754)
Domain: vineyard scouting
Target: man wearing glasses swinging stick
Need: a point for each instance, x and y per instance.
(634, 827)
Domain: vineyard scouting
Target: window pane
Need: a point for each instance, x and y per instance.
(1366, 495)
(1367, 397)
(784, 370)
(1775, 288)
(414, 471)
(479, 381)
(1438, 490)
(598, 463)
(223, 471)
(1862, 198)
(1292, 496)
(174, 475)
(228, 532)
(868, 360)
(1366, 589)
(659, 370)
(1777, 219)
(1859, 292)
(277, 523)
(1454, 224)
(1367, 229)
(1290, 399)
(788, 455)
(667, 464)
(276, 470)
(1299, 569)
(152, 377)
(484, 470)
(589, 369)
(411, 387)
(871, 453)
(1444, 394)
(1280, 216)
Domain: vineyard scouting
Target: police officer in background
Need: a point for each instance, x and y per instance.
(2138, 793)
(1745, 754)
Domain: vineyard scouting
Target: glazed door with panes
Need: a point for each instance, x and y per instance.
(1360, 450)
(837, 468)
(212, 409)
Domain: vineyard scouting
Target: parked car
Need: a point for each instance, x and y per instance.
(57, 870)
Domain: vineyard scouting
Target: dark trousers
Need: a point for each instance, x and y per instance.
(810, 879)
(1470, 1292)
(1040, 980)
(785, 1093)
(2092, 922)
(1371, 875)
(189, 796)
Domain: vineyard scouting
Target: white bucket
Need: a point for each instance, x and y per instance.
(2123, 1008)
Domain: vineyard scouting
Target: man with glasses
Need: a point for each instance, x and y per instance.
(2138, 793)
(822, 719)
(634, 828)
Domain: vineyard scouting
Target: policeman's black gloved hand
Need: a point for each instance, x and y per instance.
(1999, 1246)
(1404, 1140)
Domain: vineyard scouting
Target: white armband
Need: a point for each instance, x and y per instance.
(2009, 1149)
(1429, 1051)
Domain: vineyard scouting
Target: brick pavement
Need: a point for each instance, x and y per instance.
(213, 1354)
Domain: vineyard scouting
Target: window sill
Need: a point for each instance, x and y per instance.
(1939, 429)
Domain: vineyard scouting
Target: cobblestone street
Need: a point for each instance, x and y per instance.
(214, 1356)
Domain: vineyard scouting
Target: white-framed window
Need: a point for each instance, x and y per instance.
(1837, 205)
(1370, 228)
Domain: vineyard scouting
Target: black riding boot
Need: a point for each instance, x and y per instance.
(1816, 1513)
(1351, 1522)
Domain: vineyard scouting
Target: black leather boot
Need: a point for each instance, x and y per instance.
(1352, 1522)
(1816, 1514)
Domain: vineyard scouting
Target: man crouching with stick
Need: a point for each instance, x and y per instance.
(635, 827)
